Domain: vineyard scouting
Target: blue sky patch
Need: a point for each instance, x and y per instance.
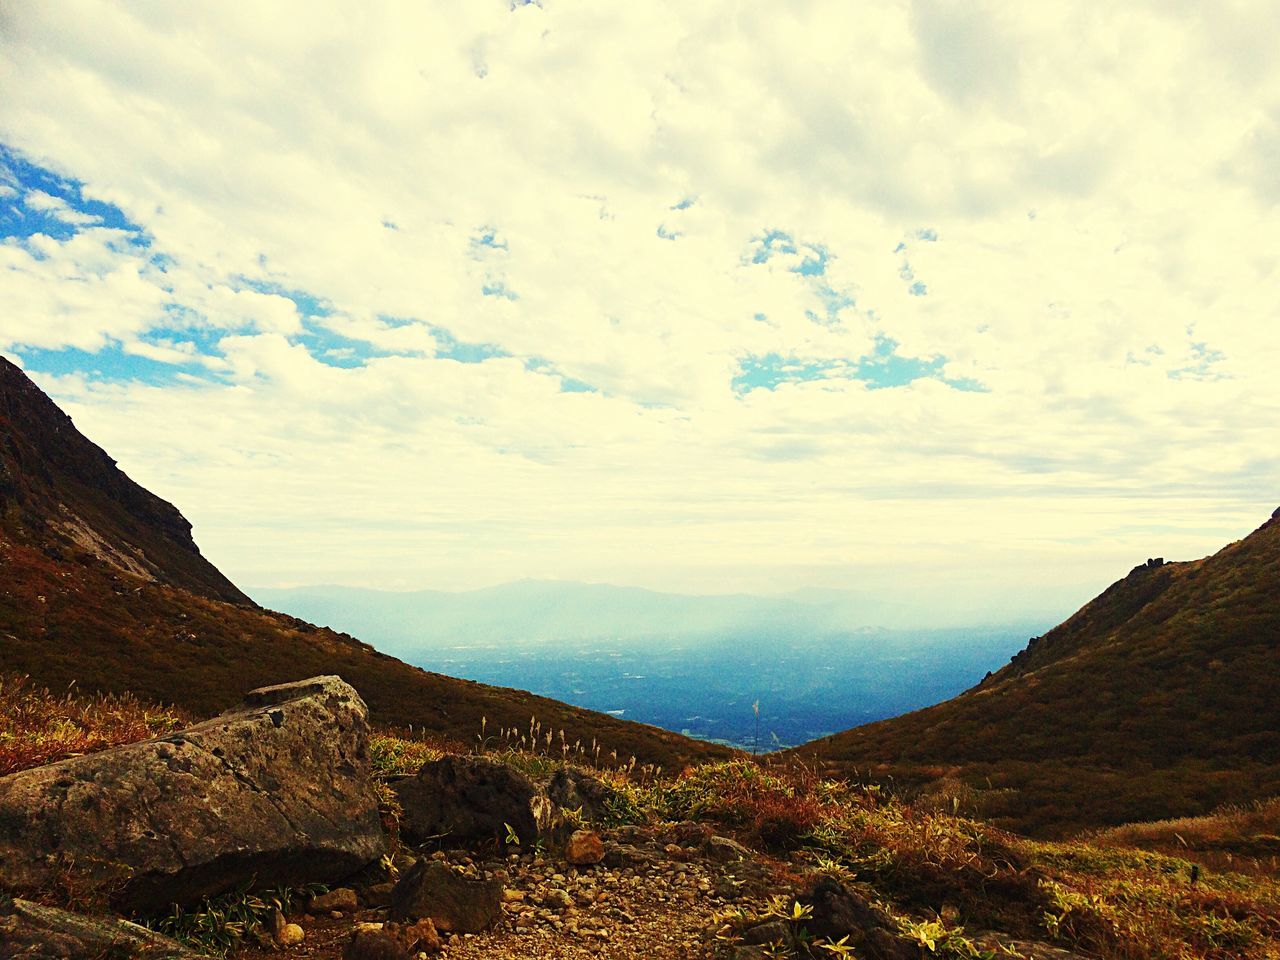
(111, 363)
(773, 241)
(815, 260)
(487, 239)
(567, 384)
(882, 369)
(41, 195)
(1204, 358)
(333, 349)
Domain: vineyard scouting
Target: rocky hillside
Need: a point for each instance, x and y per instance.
(1155, 700)
(101, 584)
(288, 827)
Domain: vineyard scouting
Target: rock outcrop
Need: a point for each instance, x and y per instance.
(274, 792)
(33, 932)
(470, 800)
(839, 911)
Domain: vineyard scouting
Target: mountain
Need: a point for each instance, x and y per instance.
(1157, 699)
(63, 494)
(102, 585)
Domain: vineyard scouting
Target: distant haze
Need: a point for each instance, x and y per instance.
(538, 611)
(816, 661)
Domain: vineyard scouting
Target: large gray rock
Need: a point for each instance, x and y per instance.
(33, 932)
(572, 789)
(275, 791)
(467, 800)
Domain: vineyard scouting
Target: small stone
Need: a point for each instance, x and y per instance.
(291, 935)
(585, 848)
(724, 850)
(341, 898)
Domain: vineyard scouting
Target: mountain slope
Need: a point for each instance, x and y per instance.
(1156, 699)
(59, 490)
(102, 585)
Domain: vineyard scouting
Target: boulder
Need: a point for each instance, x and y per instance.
(572, 789)
(274, 792)
(33, 932)
(431, 890)
(468, 800)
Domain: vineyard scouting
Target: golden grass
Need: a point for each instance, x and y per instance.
(38, 727)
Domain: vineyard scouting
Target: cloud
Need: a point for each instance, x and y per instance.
(468, 293)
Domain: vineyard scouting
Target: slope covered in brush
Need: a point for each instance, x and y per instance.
(1156, 699)
(101, 584)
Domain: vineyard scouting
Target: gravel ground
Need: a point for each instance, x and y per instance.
(649, 899)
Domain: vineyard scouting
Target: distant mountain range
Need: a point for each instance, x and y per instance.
(1157, 699)
(102, 585)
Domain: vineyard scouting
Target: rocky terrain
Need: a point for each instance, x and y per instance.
(289, 827)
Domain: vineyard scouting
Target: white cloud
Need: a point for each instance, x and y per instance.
(1097, 180)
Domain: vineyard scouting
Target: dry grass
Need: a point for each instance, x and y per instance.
(949, 873)
(38, 727)
(1241, 837)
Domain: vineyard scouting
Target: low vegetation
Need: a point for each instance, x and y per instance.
(39, 727)
(1238, 837)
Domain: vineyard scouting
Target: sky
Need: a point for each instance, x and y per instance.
(973, 304)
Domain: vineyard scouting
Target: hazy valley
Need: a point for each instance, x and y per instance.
(691, 664)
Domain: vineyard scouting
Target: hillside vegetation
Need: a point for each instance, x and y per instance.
(1155, 700)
